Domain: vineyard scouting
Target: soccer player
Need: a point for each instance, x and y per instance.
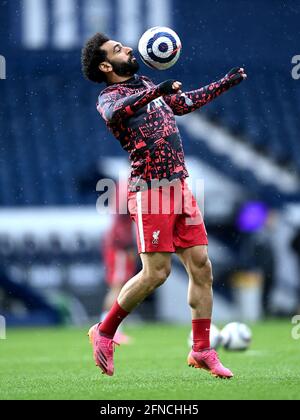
(141, 115)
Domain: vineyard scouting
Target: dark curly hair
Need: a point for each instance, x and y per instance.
(92, 55)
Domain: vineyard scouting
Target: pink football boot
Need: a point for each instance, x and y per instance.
(209, 360)
(103, 349)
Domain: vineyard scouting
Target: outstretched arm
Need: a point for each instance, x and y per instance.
(115, 107)
(184, 103)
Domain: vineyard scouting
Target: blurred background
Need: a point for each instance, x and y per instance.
(54, 147)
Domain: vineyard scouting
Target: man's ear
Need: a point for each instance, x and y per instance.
(105, 67)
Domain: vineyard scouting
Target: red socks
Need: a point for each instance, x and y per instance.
(112, 321)
(201, 332)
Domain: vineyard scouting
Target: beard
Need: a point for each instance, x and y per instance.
(125, 69)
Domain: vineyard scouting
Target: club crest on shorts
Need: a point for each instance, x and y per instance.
(156, 237)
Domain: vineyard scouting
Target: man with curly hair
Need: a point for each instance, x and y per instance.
(141, 115)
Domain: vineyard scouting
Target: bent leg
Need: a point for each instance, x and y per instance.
(156, 270)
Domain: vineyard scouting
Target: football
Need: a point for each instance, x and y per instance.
(215, 337)
(236, 337)
(160, 48)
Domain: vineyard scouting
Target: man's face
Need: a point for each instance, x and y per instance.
(121, 59)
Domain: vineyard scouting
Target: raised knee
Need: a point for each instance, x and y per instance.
(161, 275)
(157, 277)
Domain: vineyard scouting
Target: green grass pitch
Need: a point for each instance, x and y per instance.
(57, 364)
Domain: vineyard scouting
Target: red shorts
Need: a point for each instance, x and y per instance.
(120, 266)
(167, 218)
